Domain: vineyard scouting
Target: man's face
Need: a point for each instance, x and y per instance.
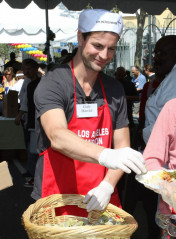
(29, 71)
(98, 49)
(135, 72)
(164, 56)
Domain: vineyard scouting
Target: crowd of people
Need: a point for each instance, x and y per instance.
(23, 78)
(94, 132)
(156, 134)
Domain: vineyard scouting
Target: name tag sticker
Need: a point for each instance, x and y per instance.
(86, 110)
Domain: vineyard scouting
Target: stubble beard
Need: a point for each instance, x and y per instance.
(90, 65)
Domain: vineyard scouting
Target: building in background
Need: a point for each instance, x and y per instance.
(155, 27)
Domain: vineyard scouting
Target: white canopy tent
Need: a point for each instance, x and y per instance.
(153, 7)
(32, 26)
(28, 25)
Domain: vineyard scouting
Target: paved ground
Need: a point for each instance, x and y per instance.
(13, 202)
(16, 199)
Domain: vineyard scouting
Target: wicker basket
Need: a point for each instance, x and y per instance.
(42, 212)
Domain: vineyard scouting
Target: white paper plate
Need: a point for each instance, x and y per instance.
(149, 179)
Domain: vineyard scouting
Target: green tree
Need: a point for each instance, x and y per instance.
(5, 50)
(140, 15)
(89, 6)
(115, 9)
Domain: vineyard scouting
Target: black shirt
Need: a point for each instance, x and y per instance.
(56, 90)
(31, 106)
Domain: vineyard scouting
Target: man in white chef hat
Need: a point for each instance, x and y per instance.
(82, 122)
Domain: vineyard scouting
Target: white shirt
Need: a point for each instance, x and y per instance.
(165, 92)
(17, 86)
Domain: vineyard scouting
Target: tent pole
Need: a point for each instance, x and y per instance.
(47, 44)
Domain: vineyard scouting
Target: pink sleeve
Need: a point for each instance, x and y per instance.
(156, 151)
(164, 208)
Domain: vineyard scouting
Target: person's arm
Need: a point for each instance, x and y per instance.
(121, 139)
(18, 117)
(157, 149)
(65, 141)
(41, 71)
(70, 144)
(143, 101)
(23, 104)
(99, 197)
(23, 109)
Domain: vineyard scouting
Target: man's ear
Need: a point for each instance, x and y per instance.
(80, 38)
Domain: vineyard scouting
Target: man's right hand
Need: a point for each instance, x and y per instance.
(125, 159)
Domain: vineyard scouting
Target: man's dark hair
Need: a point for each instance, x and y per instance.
(86, 34)
(149, 68)
(30, 62)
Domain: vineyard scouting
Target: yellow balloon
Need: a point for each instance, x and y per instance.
(45, 59)
(38, 58)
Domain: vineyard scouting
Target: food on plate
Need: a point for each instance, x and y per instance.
(168, 176)
(152, 178)
(163, 175)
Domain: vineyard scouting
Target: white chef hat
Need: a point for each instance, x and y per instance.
(92, 20)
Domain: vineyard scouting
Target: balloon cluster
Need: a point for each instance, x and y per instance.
(33, 51)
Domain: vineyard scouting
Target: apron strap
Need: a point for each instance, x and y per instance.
(74, 82)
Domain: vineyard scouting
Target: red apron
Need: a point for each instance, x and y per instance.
(64, 175)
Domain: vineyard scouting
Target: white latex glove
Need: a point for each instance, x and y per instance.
(99, 197)
(125, 159)
(168, 193)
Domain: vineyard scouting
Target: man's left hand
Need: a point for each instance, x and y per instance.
(99, 197)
